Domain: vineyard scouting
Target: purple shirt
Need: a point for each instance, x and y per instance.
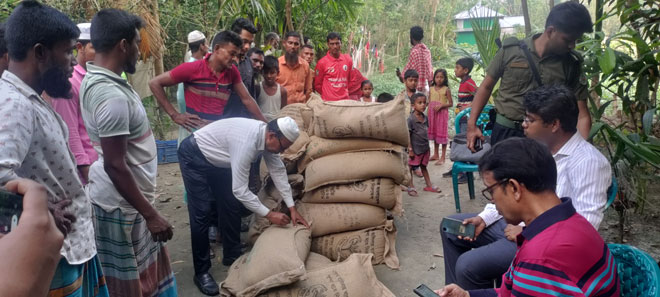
(69, 110)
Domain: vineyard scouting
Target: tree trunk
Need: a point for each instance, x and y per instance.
(551, 4)
(432, 20)
(289, 20)
(599, 14)
(525, 11)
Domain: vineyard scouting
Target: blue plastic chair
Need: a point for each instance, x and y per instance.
(468, 168)
(639, 275)
(611, 192)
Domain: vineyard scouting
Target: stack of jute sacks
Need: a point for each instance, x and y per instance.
(281, 265)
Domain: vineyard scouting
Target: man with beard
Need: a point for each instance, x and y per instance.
(33, 139)
(295, 75)
(256, 57)
(69, 109)
(333, 72)
(235, 106)
(129, 230)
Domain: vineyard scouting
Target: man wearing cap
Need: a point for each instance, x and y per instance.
(199, 47)
(69, 109)
(215, 164)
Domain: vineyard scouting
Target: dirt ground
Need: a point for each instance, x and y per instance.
(418, 240)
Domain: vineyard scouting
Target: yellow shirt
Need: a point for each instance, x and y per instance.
(441, 95)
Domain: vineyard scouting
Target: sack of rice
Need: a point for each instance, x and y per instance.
(379, 241)
(296, 181)
(291, 155)
(328, 218)
(316, 261)
(334, 169)
(299, 112)
(354, 277)
(382, 192)
(354, 119)
(277, 259)
(319, 147)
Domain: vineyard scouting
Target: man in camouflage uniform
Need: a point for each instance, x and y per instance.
(553, 55)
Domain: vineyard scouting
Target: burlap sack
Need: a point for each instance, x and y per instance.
(259, 224)
(316, 261)
(293, 153)
(354, 277)
(319, 147)
(382, 192)
(354, 119)
(328, 218)
(277, 259)
(299, 112)
(296, 181)
(379, 241)
(352, 167)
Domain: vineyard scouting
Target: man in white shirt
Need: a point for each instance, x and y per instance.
(215, 165)
(583, 174)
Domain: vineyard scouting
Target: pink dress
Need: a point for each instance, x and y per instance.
(438, 120)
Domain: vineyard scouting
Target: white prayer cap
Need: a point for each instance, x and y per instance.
(195, 36)
(84, 31)
(289, 128)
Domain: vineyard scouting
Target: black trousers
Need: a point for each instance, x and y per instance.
(501, 133)
(206, 184)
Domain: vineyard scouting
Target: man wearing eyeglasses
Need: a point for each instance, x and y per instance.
(559, 253)
(583, 174)
(215, 164)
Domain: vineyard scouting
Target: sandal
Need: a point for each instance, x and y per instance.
(433, 189)
(412, 192)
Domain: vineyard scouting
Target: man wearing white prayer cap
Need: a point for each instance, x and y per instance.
(215, 164)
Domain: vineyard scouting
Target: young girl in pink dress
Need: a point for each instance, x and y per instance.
(440, 102)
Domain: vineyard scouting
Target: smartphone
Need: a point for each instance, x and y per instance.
(11, 207)
(478, 145)
(456, 227)
(424, 291)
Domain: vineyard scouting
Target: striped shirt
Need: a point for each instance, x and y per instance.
(466, 90)
(583, 173)
(206, 93)
(559, 254)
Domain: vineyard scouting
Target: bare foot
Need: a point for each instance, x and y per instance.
(434, 157)
(442, 161)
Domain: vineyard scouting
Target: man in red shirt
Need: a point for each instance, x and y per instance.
(333, 71)
(208, 83)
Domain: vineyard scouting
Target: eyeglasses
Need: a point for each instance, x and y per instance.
(488, 192)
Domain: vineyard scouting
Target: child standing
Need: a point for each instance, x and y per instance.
(410, 78)
(367, 88)
(440, 101)
(419, 151)
(467, 87)
(272, 96)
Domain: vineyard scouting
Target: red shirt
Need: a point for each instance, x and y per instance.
(332, 77)
(355, 84)
(420, 60)
(205, 92)
(466, 90)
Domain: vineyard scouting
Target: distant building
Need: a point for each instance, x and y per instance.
(465, 19)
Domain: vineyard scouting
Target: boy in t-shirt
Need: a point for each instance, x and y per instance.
(467, 87)
(272, 96)
(410, 78)
(418, 150)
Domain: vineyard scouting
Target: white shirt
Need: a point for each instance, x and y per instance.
(235, 143)
(33, 144)
(583, 174)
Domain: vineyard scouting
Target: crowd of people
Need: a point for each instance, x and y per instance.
(76, 134)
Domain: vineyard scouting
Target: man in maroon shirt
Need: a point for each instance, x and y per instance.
(419, 59)
(333, 72)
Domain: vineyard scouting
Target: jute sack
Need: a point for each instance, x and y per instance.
(293, 153)
(379, 241)
(319, 147)
(316, 261)
(328, 218)
(296, 181)
(296, 111)
(259, 224)
(277, 259)
(354, 119)
(352, 167)
(354, 277)
(382, 192)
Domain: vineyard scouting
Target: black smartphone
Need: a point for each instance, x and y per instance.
(11, 207)
(456, 227)
(478, 145)
(424, 291)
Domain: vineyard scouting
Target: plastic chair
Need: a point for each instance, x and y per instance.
(639, 275)
(468, 168)
(611, 192)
